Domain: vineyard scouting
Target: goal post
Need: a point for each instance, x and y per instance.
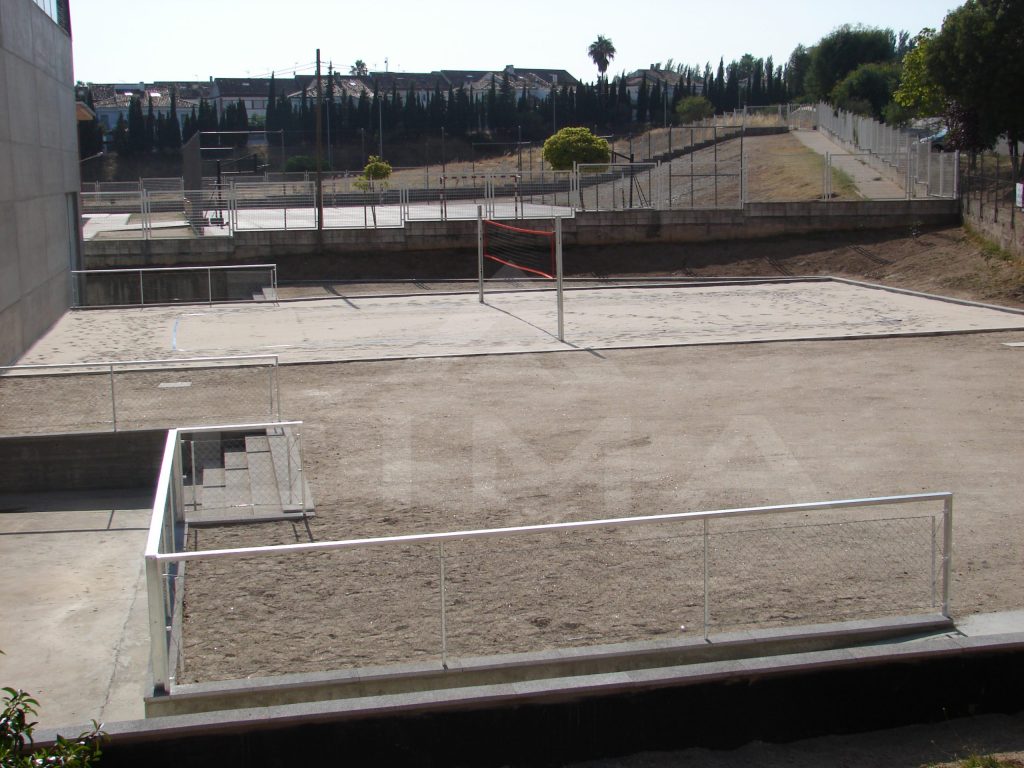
(537, 253)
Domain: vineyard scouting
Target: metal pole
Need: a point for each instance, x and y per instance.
(559, 276)
(319, 157)
(142, 295)
(947, 554)
(113, 397)
(157, 628)
(209, 284)
(707, 611)
(480, 251)
(444, 610)
(715, 137)
(934, 547)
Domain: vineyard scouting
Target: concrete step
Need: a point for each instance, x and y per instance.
(242, 486)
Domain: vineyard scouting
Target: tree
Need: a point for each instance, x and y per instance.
(693, 109)
(359, 69)
(918, 93)
(575, 145)
(173, 127)
(602, 51)
(976, 57)
(16, 745)
(375, 175)
(867, 89)
(136, 126)
(122, 141)
(842, 51)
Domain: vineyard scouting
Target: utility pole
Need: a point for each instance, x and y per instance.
(330, 79)
(319, 157)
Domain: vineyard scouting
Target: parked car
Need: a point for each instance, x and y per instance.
(937, 140)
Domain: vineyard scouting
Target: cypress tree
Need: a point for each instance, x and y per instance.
(150, 133)
(173, 128)
(136, 126)
(122, 142)
(642, 97)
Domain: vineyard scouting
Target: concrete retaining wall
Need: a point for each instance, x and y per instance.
(38, 175)
(78, 462)
(295, 252)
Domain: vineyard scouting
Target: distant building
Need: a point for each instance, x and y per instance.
(110, 109)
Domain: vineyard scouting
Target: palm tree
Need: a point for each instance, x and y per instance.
(359, 68)
(602, 51)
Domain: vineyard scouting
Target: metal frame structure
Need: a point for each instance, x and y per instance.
(160, 550)
(110, 368)
(559, 270)
(167, 535)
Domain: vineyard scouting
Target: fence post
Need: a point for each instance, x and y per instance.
(707, 610)
(995, 196)
(947, 554)
(113, 397)
(157, 628)
(209, 284)
(444, 610)
(142, 294)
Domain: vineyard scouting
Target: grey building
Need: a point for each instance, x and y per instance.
(39, 180)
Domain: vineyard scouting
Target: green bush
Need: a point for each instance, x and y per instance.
(693, 109)
(16, 745)
(575, 145)
(302, 163)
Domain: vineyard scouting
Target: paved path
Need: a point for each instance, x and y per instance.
(74, 628)
(868, 181)
(375, 327)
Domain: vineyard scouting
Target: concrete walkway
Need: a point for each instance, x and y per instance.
(868, 181)
(74, 626)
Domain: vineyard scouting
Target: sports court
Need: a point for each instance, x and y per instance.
(434, 425)
(370, 327)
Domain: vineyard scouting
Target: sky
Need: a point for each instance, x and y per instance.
(116, 41)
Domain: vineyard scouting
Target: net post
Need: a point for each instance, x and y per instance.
(947, 554)
(480, 252)
(558, 276)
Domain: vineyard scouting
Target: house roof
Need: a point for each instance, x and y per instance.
(241, 87)
(161, 101)
(660, 75)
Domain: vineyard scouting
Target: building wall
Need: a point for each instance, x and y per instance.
(38, 174)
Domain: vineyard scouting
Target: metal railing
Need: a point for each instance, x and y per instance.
(713, 570)
(136, 394)
(178, 490)
(172, 285)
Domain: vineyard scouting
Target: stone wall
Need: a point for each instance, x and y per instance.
(426, 249)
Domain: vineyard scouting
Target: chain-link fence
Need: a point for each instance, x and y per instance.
(898, 155)
(991, 201)
(148, 394)
(541, 588)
